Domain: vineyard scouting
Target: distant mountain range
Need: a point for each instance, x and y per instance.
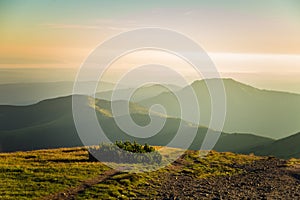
(31, 93)
(249, 110)
(49, 124)
(142, 93)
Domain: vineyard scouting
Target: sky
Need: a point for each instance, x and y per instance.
(255, 42)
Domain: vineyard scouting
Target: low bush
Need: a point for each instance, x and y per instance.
(125, 152)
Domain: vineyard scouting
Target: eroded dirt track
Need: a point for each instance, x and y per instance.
(267, 178)
(71, 193)
(263, 179)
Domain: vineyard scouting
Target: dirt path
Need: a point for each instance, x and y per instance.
(263, 179)
(267, 178)
(71, 193)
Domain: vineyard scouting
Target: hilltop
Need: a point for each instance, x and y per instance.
(67, 173)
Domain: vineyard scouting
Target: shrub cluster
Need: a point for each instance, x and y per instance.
(125, 152)
(134, 147)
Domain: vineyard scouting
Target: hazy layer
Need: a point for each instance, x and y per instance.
(279, 82)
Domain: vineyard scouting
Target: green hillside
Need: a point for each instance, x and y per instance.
(266, 113)
(241, 143)
(67, 173)
(49, 124)
(51, 173)
(284, 148)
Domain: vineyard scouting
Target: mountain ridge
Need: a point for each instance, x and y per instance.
(58, 129)
(263, 112)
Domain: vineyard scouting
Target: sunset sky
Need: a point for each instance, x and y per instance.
(255, 42)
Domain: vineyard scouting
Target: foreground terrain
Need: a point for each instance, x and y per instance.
(66, 173)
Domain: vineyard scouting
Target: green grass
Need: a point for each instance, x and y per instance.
(293, 161)
(28, 175)
(35, 174)
(214, 164)
(128, 186)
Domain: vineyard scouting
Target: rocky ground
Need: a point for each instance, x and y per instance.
(215, 176)
(268, 178)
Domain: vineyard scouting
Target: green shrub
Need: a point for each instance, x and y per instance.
(125, 152)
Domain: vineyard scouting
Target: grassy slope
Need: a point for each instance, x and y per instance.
(49, 124)
(33, 174)
(28, 175)
(249, 110)
(241, 143)
(284, 148)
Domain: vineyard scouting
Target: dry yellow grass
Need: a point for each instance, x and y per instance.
(35, 174)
